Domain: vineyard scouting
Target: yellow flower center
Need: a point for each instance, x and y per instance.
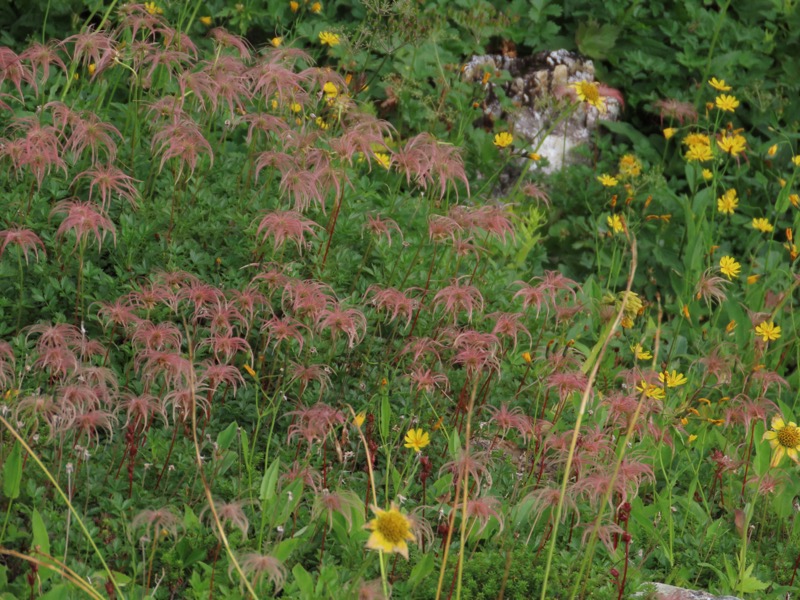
(589, 92)
(789, 436)
(393, 526)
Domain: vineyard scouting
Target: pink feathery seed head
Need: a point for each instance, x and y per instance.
(567, 383)
(41, 57)
(91, 422)
(470, 338)
(458, 297)
(441, 228)
(88, 131)
(507, 419)
(310, 477)
(381, 227)
(226, 347)
(25, 239)
(264, 123)
(141, 409)
(228, 84)
(349, 321)
(222, 318)
(307, 297)
(184, 400)
(305, 374)
(230, 513)
(178, 40)
(425, 379)
(537, 192)
(509, 325)
(176, 370)
(482, 509)
(91, 46)
(156, 520)
(284, 328)
(160, 336)
(84, 218)
(200, 295)
(343, 502)
(711, 287)
(270, 79)
(183, 140)
(108, 181)
(281, 226)
(421, 347)
(168, 108)
(675, 109)
(495, 220)
(394, 302)
(225, 39)
(54, 335)
(272, 276)
(472, 463)
(304, 186)
(213, 374)
(259, 566)
(13, 69)
(136, 18)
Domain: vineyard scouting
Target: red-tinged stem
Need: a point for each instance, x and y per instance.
(424, 293)
(169, 454)
(332, 228)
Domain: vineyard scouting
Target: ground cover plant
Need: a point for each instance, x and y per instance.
(284, 316)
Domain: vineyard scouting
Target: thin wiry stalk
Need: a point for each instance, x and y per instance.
(465, 486)
(605, 339)
(206, 489)
(57, 566)
(71, 508)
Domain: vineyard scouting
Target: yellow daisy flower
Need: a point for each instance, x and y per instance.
(651, 391)
(726, 103)
(276, 41)
(326, 38)
(707, 174)
(416, 439)
(784, 440)
(615, 224)
(732, 144)
(697, 139)
(669, 132)
(729, 267)
(383, 159)
(640, 353)
(719, 85)
(526, 356)
(589, 92)
(391, 529)
(607, 180)
(206, 21)
(768, 331)
(503, 139)
(762, 225)
(294, 6)
(359, 419)
(796, 160)
(629, 166)
(728, 202)
(772, 150)
(316, 8)
(699, 153)
(673, 379)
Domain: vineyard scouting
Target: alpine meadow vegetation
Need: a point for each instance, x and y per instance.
(288, 312)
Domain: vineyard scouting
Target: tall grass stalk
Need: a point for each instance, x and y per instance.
(66, 500)
(596, 356)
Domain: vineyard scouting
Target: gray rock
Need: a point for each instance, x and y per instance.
(538, 84)
(670, 592)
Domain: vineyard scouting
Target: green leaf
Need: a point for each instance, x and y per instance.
(595, 40)
(454, 444)
(386, 417)
(226, 436)
(303, 579)
(41, 541)
(267, 490)
(12, 472)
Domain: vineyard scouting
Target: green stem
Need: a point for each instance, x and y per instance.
(71, 508)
